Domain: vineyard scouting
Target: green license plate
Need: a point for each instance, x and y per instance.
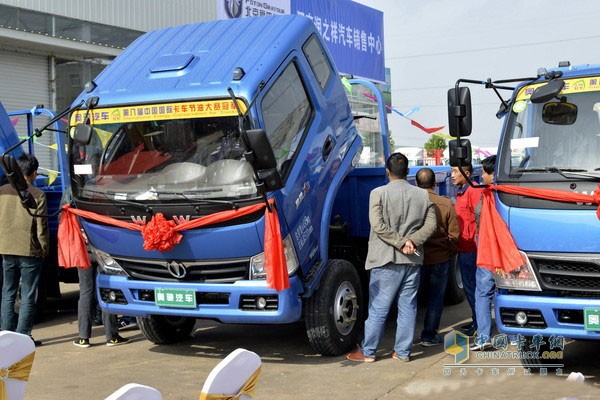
(591, 318)
(180, 298)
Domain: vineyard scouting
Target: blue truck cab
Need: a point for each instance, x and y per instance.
(551, 140)
(166, 116)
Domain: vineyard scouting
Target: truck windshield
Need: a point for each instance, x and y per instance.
(534, 146)
(163, 160)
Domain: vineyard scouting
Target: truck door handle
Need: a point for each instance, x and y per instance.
(327, 147)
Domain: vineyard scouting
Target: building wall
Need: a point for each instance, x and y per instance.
(143, 15)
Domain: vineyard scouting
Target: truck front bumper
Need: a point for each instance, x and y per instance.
(228, 303)
(560, 316)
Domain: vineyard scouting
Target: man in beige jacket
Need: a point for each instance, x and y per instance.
(402, 218)
(23, 247)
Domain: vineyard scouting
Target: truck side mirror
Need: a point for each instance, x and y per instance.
(547, 92)
(459, 111)
(83, 134)
(260, 155)
(559, 113)
(460, 152)
(16, 179)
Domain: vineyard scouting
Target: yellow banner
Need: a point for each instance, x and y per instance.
(154, 112)
(576, 85)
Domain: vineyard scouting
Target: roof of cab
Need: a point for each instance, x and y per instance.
(197, 60)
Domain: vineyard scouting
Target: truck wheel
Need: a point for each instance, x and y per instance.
(455, 293)
(334, 312)
(161, 329)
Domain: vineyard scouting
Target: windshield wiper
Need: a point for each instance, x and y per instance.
(118, 202)
(567, 173)
(195, 202)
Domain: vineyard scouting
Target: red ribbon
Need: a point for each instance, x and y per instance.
(163, 235)
(497, 248)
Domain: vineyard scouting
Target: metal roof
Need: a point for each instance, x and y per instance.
(197, 60)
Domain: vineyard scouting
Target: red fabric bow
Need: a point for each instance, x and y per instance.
(160, 234)
(163, 235)
(497, 248)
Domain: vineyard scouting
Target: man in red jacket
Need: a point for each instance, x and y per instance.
(467, 199)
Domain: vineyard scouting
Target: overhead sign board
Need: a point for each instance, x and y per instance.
(353, 32)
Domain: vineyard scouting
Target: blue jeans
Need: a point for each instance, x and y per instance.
(435, 276)
(387, 284)
(484, 294)
(87, 304)
(468, 268)
(26, 270)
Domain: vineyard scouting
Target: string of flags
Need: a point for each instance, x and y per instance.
(435, 130)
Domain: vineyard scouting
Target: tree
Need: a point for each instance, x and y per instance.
(392, 143)
(435, 143)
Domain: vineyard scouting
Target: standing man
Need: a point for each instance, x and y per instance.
(485, 287)
(402, 218)
(440, 248)
(467, 199)
(23, 249)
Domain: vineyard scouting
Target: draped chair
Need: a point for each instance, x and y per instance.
(16, 358)
(134, 391)
(235, 377)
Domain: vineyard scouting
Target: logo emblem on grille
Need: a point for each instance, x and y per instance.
(176, 269)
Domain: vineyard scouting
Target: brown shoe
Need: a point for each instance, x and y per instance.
(359, 357)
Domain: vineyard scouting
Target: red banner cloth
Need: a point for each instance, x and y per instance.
(421, 127)
(162, 235)
(497, 248)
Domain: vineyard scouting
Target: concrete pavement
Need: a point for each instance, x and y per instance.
(291, 369)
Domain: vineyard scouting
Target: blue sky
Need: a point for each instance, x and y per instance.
(429, 44)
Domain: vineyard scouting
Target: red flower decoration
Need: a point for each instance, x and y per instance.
(160, 234)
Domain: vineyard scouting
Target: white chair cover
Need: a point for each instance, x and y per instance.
(14, 347)
(230, 375)
(134, 391)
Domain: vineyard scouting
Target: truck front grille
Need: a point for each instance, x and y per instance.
(568, 272)
(196, 271)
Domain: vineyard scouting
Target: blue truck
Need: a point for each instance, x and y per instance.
(50, 180)
(201, 119)
(550, 140)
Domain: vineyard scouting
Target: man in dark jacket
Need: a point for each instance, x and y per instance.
(23, 248)
(439, 249)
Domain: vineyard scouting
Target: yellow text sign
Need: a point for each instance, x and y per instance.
(163, 111)
(575, 85)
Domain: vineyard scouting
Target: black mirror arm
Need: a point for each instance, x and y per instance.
(38, 132)
(468, 178)
(40, 215)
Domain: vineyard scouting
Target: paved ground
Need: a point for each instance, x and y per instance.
(291, 370)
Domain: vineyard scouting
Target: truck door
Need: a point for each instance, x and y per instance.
(305, 113)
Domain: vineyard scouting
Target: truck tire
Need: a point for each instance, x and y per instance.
(455, 293)
(161, 329)
(334, 312)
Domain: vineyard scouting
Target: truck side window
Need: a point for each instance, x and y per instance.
(286, 112)
(318, 61)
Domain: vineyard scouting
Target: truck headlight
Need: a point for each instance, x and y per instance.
(257, 263)
(522, 278)
(106, 263)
